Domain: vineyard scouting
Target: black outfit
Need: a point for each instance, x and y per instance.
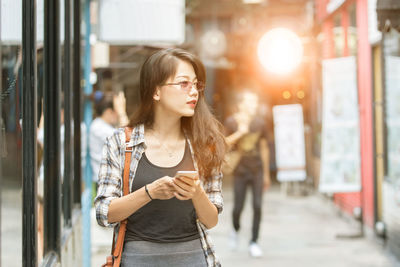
(162, 221)
(249, 171)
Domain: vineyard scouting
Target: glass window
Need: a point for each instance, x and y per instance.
(338, 34)
(392, 95)
(352, 31)
(11, 136)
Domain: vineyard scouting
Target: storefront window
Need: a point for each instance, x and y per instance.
(392, 95)
(338, 34)
(50, 175)
(11, 137)
(352, 31)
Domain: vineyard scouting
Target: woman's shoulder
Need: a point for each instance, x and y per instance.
(117, 137)
(119, 134)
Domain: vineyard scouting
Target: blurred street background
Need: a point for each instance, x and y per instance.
(327, 75)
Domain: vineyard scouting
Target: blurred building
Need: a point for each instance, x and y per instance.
(387, 105)
(351, 28)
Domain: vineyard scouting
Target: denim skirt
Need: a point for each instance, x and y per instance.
(151, 254)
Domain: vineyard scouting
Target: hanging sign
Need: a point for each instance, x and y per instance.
(340, 151)
(289, 142)
(130, 22)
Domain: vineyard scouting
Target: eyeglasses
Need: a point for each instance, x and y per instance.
(186, 86)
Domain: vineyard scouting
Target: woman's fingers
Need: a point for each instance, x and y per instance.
(180, 197)
(181, 190)
(182, 184)
(188, 180)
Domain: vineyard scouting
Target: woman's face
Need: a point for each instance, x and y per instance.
(172, 98)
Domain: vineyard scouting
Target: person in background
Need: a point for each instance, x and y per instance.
(168, 215)
(110, 113)
(246, 131)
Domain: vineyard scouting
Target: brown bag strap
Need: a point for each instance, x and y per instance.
(117, 251)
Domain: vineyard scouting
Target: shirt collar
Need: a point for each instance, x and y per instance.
(137, 136)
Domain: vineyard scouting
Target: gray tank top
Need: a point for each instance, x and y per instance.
(162, 221)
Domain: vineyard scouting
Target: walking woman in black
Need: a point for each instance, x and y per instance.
(173, 130)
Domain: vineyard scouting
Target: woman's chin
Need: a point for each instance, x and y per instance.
(188, 113)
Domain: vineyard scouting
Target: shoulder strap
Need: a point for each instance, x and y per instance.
(128, 155)
(117, 251)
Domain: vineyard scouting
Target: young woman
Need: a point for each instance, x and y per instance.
(173, 130)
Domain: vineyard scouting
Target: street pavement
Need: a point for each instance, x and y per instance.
(295, 231)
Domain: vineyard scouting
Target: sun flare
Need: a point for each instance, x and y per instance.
(280, 51)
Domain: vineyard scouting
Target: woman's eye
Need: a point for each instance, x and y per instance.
(184, 84)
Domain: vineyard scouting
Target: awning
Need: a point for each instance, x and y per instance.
(388, 14)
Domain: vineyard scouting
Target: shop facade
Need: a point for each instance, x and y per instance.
(368, 31)
(388, 12)
(40, 144)
(344, 34)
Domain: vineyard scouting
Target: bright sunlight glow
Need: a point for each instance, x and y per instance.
(280, 51)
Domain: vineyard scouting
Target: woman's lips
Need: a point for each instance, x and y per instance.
(192, 103)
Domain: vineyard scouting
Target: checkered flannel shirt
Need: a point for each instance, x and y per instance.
(111, 178)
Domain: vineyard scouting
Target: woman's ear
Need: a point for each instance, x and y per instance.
(156, 95)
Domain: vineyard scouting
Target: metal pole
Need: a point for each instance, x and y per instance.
(29, 142)
(67, 184)
(77, 99)
(1, 138)
(87, 194)
(52, 179)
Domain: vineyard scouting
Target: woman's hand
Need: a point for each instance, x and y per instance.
(162, 188)
(186, 188)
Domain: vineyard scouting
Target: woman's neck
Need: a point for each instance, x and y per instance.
(167, 128)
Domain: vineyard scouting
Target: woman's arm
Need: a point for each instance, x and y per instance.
(233, 138)
(242, 128)
(206, 210)
(123, 207)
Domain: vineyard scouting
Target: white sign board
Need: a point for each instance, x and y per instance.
(11, 21)
(289, 142)
(340, 152)
(130, 22)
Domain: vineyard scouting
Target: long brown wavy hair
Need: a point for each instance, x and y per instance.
(204, 131)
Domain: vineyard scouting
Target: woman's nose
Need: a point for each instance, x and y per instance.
(193, 90)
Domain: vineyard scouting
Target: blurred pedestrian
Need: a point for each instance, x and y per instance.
(110, 113)
(173, 130)
(246, 132)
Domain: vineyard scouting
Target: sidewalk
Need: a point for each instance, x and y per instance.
(295, 231)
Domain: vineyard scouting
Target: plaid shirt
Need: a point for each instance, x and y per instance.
(110, 183)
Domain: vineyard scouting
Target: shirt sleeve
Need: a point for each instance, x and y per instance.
(213, 189)
(109, 180)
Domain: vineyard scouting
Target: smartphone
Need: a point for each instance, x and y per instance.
(189, 174)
